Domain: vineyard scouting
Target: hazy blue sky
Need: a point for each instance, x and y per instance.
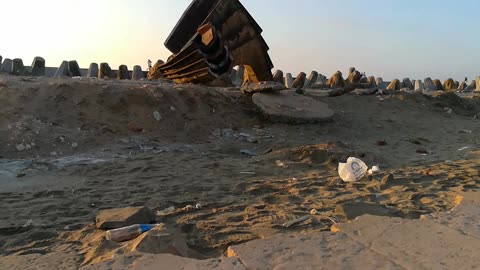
(389, 38)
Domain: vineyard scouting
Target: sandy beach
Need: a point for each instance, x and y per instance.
(100, 144)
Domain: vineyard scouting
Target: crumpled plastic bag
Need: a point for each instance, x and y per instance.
(352, 171)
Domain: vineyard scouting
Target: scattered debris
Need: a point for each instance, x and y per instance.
(157, 116)
(128, 233)
(297, 221)
(248, 153)
(352, 171)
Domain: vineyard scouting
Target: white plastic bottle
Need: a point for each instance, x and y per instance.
(128, 233)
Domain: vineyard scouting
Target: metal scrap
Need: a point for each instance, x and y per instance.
(211, 38)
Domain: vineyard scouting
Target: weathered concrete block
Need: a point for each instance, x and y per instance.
(419, 85)
(288, 80)
(372, 82)
(105, 71)
(17, 67)
(38, 66)
(394, 85)
(299, 80)
(477, 82)
(312, 79)
(123, 73)
(408, 83)
(354, 77)
(122, 217)
(438, 84)
(63, 70)
(449, 85)
(137, 73)
(380, 84)
(7, 65)
(336, 81)
(74, 69)
(429, 85)
(92, 71)
(356, 209)
(278, 76)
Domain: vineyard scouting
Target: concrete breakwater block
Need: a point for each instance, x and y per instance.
(288, 80)
(289, 107)
(38, 66)
(17, 67)
(123, 73)
(137, 73)
(92, 70)
(74, 69)
(62, 71)
(6, 65)
(299, 80)
(105, 71)
(278, 76)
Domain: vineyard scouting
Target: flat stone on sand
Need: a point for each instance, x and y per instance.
(356, 209)
(121, 217)
(414, 244)
(262, 87)
(289, 107)
(311, 251)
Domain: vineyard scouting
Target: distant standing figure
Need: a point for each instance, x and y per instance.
(149, 64)
(466, 79)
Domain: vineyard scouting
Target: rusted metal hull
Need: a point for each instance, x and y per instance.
(211, 38)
